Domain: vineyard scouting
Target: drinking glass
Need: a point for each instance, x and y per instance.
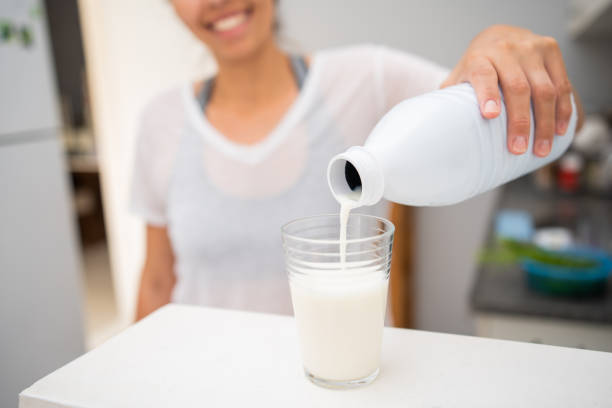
(339, 306)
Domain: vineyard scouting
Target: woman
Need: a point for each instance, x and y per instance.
(221, 164)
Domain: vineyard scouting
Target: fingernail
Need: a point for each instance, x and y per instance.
(542, 147)
(520, 144)
(561, 127)
(490, 107)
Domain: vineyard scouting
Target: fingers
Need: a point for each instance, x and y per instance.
(543, 96)
(553, 62)
(515, 87)
(483, 78)
(531, 71)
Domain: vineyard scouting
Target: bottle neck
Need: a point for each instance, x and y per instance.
(356, 175)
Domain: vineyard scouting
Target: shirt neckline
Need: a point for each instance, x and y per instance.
(256, 152)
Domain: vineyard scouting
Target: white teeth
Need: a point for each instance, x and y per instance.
(230, 22)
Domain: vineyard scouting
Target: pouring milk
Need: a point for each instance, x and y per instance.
(411, 157)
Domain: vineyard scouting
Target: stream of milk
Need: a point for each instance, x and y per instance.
(347, 203)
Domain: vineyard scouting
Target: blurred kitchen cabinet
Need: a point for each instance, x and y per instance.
(505, 307)
(555, 332)
(88, 205)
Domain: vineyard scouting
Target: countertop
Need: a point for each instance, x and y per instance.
(502, 289)
(185, 356)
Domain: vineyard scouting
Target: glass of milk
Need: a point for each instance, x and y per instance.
(339, 305)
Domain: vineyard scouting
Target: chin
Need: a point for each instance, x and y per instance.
(239, 51)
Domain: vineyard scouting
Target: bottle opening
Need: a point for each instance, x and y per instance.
(344, 180)
(352, 177)
(355, 176)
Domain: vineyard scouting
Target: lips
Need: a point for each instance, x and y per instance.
(229, 21)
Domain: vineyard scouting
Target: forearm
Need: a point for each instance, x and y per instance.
(158, 279)
(152, 295)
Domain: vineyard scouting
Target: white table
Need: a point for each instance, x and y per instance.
(185, 356)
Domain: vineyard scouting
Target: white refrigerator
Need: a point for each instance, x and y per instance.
(41, 318)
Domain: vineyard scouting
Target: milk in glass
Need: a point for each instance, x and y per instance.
(340, 323)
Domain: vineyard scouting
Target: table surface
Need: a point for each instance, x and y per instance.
(185, 356)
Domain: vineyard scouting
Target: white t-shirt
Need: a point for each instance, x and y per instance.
(224, 203)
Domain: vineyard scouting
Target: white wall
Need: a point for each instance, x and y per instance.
(133, 50)
(447, 238)
(442, 29)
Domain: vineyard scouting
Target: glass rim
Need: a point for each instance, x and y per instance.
(388, 233)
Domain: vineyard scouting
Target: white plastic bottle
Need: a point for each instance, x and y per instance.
(436, 149)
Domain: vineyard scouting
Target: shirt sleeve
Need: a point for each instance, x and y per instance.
(401, 76)
(145, 200)
(155, 148)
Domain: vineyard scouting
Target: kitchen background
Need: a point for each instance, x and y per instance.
(74, 76)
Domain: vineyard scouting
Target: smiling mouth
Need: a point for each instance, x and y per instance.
(230, 22)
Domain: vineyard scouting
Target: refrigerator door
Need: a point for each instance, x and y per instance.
(27, 96)
(40, 286)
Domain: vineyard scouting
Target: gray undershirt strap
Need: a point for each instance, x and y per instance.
(298, 66)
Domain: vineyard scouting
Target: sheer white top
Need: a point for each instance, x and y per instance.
(224, 203)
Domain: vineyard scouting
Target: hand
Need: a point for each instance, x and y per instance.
(529, 68)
